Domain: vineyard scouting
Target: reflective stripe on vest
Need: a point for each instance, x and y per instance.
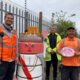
(7, 46)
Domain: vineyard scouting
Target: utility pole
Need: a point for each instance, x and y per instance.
(26, 15)
(40, 22)
(52, 19)
(25, 5)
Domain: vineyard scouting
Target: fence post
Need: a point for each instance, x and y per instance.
(1, 11)
(26, 19)
(40, 22)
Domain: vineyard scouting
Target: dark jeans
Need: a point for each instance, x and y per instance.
(54, 62)
(70, 73)
(7, 70)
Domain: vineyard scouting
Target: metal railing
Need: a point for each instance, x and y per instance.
(20, 18)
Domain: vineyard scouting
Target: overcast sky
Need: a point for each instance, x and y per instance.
(49, 6)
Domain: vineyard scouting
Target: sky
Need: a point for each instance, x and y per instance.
(49, 6)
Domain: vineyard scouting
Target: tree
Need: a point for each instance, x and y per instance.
(62, 21)
(63, 25)
(79, 34)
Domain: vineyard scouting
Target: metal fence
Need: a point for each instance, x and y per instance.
(31, 19)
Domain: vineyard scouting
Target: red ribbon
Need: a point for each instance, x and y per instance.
(25, 69)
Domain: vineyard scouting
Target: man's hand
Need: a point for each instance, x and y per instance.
(77, 53)
(52, 51)
(59, 52)
(14, 31)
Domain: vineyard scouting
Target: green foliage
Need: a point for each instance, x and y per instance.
(63, 25)
(62, 21)
(79, 34)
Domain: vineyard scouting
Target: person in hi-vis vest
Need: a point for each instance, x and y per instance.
(8, 38)
(51, 57)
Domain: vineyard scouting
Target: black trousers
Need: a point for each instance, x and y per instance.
(70, 73)
(7, 70)
(54, 63)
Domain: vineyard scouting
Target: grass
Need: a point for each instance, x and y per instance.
(51, 74)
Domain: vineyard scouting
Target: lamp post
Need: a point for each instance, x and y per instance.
(72, 15)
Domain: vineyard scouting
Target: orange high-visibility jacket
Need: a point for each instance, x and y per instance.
(73, 43)
(7, 46)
